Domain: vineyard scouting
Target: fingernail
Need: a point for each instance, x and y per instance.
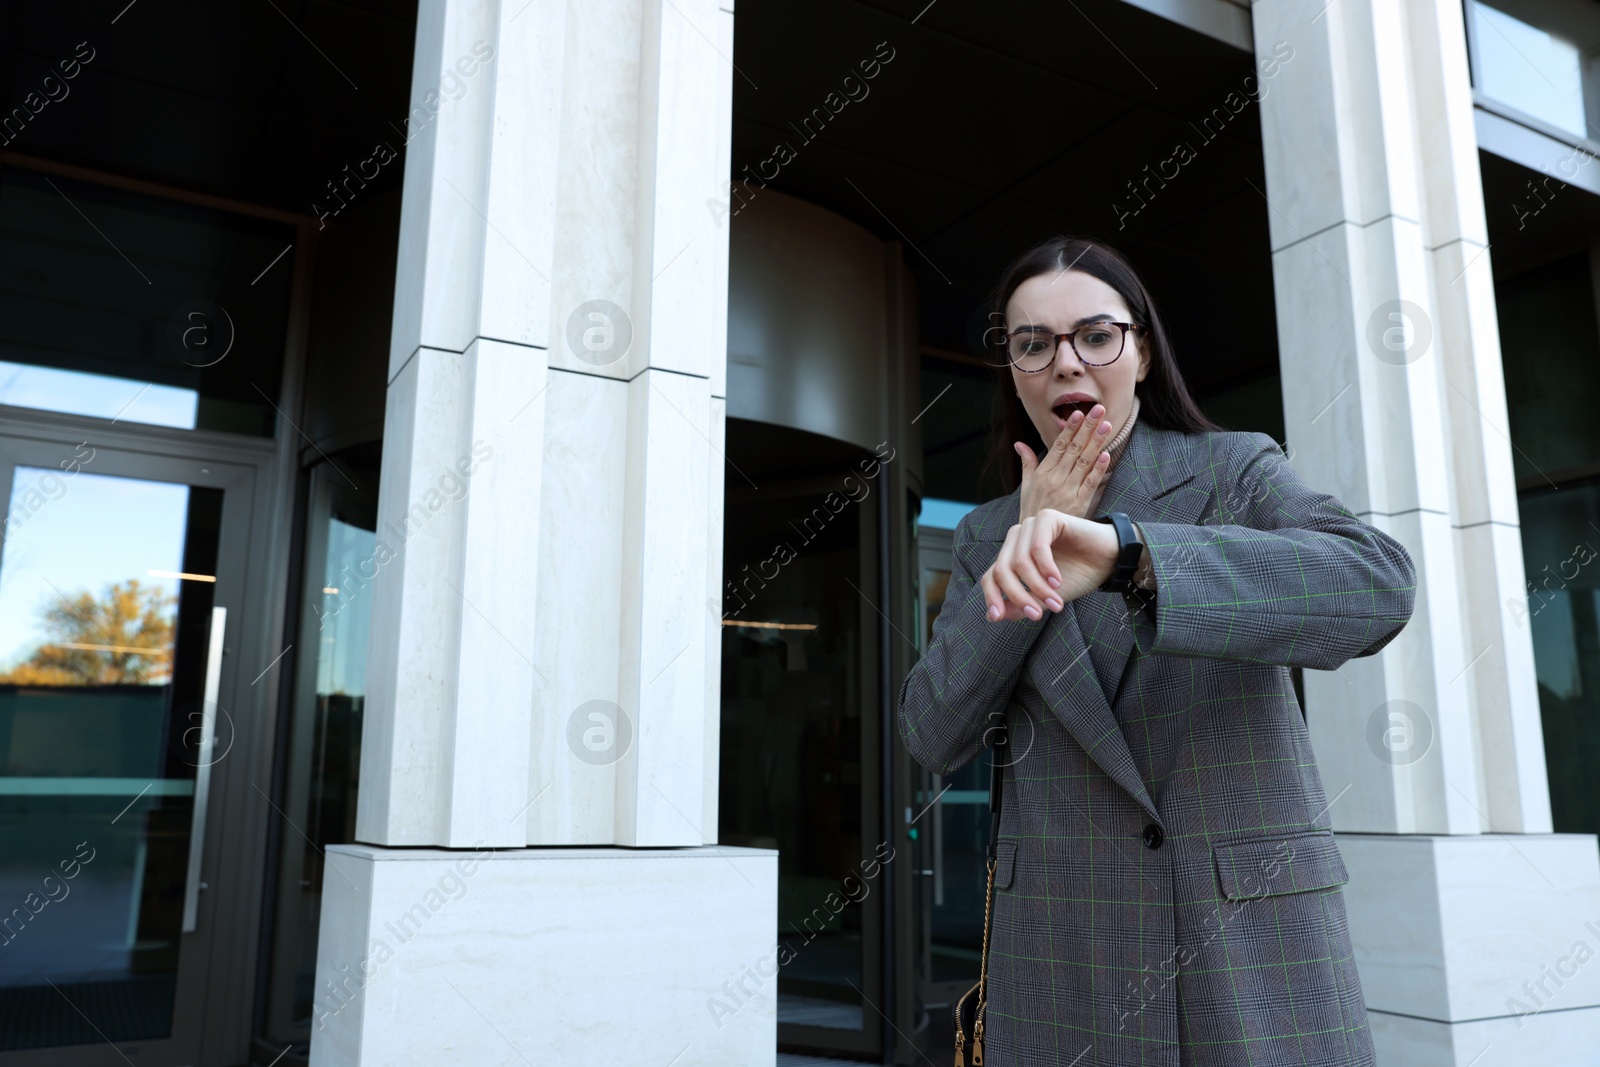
(994, 611)
(1055, 604)
(1055, 583)
(1030, 611)
(1105, 428)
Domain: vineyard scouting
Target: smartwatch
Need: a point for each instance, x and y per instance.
(1129, 550)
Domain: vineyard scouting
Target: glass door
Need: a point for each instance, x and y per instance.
(120, 587)
(799, 747)
(951, 831)
(322, 736)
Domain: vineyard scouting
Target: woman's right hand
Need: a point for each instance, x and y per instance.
(1047, 561)
(1072, 469)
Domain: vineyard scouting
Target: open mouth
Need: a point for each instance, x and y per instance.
(1064, 411)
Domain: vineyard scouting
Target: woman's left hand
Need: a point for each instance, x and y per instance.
(1048, 559)
(1073, 468)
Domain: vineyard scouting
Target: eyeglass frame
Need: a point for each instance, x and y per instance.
(1071, 338)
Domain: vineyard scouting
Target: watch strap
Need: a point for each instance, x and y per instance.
(1129, 551)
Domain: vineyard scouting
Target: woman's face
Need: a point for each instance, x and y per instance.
(1061, 301)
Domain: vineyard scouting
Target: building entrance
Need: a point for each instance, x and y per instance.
(801, 763)
(122, 615)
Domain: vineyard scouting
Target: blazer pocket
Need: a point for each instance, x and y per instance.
(1287, 863)
(1005, 855)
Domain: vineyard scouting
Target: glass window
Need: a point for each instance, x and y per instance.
(1538, 58)
(959, 400)
(959, 827)
(324, 742)
(944, 514)
(105, 620)
(1561, 555)
(127, 307)
(1255, 406)
(1550, 354)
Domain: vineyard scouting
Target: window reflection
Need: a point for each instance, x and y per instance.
(77, 393)
(106, 591)
(125, 306)
(324, 729)
(1534, 60)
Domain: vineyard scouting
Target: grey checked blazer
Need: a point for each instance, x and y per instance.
(1168, 890)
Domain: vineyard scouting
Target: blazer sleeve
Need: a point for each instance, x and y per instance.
(970, 668)
(1276, 573)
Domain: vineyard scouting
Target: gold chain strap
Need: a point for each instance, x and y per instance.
(983, 973)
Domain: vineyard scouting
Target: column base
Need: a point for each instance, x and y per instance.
(547, 955)
(1549, 1039)
(1479, 949)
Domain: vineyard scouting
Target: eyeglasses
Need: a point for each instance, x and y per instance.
(1033, 348)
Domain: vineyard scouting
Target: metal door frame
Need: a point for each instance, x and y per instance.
(216, 973)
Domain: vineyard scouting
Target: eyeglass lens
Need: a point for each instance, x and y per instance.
(1097, 343)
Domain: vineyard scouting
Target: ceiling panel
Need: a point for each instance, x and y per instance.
(254, 101)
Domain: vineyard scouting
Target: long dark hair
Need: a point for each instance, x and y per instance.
(1164, 399)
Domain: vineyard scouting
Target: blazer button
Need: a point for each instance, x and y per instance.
(1152, 836)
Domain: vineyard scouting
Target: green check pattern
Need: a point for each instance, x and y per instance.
(1226, 943)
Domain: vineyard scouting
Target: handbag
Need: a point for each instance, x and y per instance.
(971, 1005)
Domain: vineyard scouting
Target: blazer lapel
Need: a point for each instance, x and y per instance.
(1081, 659)
(1148, 484)
(1062, 672)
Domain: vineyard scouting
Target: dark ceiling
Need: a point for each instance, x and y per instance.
(989, 128)
(263, 101)
(1534, 218)
(997, 125)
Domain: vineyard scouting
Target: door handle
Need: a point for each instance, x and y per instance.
(202, 774)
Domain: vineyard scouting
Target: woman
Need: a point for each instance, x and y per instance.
(1167, 886)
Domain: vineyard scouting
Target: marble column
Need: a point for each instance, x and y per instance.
(543, 667)
(1466, 910)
